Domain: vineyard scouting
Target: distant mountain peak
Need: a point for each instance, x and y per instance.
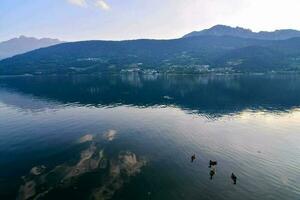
(224, 27)
(224, 30)
(220, 26)
(23, 44)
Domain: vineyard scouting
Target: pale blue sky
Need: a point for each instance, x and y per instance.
(131, 19)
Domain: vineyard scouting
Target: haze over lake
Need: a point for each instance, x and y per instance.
(131, 136)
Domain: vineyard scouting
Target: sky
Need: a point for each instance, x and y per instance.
(73, 20)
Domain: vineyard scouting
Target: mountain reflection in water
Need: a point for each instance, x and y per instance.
(210, 95)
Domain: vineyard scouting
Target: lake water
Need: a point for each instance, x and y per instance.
(132, 137)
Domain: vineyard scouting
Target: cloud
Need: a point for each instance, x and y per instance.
(102, 4)
(78, 2)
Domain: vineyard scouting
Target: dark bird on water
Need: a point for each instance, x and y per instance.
(193, 158)
(212, 163)
(234, 178)
(212, 173)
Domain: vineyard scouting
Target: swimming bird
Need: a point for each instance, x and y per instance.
(212, 163)
(234, 178)
(193, 158)
(212, 173)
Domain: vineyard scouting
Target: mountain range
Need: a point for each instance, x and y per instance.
(221, 49)
(24, 44)
(222, 30)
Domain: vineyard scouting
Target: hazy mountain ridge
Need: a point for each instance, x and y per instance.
(202, 54)
(222, 30)
(24, 44)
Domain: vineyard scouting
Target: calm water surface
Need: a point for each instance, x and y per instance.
(132, 136)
